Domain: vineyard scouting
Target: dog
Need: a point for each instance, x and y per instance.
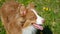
(20, 19)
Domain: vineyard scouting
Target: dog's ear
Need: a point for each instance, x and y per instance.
(23, 10)
(31, 5)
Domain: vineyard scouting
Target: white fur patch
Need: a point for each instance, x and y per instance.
(39, 19)
(29, 30)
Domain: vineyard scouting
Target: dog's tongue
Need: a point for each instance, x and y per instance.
(38, 26)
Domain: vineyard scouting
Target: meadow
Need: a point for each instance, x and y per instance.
(48, 9)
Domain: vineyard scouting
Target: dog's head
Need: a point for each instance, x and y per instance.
(32, 18)
(20, 15)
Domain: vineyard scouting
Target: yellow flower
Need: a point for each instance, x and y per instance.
(45, 8)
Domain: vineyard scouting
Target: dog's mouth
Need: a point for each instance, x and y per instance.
(38, 26)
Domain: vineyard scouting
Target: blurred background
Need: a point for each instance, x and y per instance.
(48, 9)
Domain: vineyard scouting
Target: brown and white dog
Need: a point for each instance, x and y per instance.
(18, 19)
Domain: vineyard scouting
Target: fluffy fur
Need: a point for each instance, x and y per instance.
(18, 19)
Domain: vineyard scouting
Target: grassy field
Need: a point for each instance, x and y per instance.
(48, 9)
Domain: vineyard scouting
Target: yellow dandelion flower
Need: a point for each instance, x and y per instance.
(45, 8)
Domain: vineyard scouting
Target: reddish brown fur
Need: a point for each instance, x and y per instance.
(12, 18)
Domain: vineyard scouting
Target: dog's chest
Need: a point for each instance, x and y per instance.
(29, 30)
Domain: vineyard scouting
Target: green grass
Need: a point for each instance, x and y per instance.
(51, 15)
